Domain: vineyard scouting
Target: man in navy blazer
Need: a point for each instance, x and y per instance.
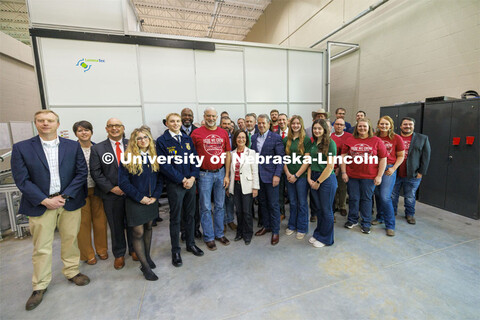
(51, 173)
(104, 160)
(267, 143)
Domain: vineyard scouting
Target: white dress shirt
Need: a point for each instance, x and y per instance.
(51, 153)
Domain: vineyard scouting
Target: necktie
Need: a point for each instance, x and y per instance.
(118, 151)
(283, 134)
(249, 139)
(178, 138)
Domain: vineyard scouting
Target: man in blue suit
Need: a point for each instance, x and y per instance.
(51, 173)
(267, 143)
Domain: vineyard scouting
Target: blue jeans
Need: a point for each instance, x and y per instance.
(360, 192)
(270, 207)
(209, 182)
(410, 186)
(383, 199)
(297, 194)
(324, 198)
(229, 211)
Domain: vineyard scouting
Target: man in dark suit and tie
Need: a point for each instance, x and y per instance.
(267, 143)
(104, 161)
(187, 128)
(51, 173)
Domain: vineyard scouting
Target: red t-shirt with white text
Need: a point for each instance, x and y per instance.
(393, 146)
(209, 143)
(339, 141)
(402, 170)
(359, 147)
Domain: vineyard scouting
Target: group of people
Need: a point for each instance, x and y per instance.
(79, 186)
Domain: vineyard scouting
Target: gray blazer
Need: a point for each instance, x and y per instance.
(418, 155)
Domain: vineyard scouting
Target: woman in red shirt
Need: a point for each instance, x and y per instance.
(383, 192)
(361, 172)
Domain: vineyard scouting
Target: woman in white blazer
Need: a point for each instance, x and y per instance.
(244, 184)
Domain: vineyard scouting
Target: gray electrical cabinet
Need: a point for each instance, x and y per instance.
(453, 178)
(398, 112)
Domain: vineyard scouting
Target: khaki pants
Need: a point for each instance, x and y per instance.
(43, 229)
(92, 214)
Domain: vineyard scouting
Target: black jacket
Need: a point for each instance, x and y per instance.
(104, 175)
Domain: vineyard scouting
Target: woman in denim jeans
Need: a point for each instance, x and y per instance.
(321, 178)
(383, 192)
(364, 159)
(296, 144)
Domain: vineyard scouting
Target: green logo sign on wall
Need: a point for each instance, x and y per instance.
(86, 64)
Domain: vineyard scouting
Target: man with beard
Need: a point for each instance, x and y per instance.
(412, 169)
(274, 120)
(213, 144)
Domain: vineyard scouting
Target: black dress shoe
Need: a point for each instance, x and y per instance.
(177, 260)
(148, 274)
(195, 250)
(198, 234)
(238, 238)
(183, 236)
(154, 223)
(159, 219)
(247, 242)
(35, 299)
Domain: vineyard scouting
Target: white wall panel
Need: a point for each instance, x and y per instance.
(219, 76)
(305, 76)
(305, 111)
(266, 108)
(266, 74)
(167, 75)
(131, 118)
(113, 80)
(97, 14)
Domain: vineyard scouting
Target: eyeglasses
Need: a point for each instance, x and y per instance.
(116, 126)
(142, 138)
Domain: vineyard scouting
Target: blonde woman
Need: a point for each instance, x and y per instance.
(383, 192)
(296, 144)
(142, 183)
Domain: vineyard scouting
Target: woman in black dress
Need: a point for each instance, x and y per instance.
(142, 183)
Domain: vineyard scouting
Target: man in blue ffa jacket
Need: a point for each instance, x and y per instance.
(104, 161)
(267, 143)
(51, 173)
(187, 128)
(181, 188)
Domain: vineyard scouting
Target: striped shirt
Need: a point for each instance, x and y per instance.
(51, 153)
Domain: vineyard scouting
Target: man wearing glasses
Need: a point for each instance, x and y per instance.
(339, 136)
(104, 162)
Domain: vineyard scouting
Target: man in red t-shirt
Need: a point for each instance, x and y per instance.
(339, 136)
(212, 143)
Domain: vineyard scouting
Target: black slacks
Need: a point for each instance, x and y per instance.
(243, 207)
(182, 206)
(117, 221)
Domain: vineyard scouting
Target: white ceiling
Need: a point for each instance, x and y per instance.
(218, 19)
(14, 19)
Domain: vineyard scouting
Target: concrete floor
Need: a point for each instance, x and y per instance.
(427, 271)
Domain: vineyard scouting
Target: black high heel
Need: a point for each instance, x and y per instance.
(148, 274)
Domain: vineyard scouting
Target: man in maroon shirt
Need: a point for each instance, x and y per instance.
(339, 135)
(213, 144)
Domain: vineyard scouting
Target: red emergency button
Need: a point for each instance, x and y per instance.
(456, 141)
(470, 140)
